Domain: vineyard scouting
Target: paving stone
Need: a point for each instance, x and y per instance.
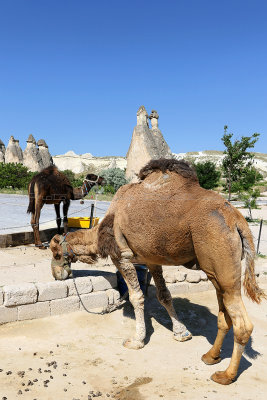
(178, 288)
(14, 295)
(94, 300)
(193, 277)
(32, 311)
(66, 305)
(180, 276)
(1, 297)
(113, 296)
(51, 290)
(104, 282)
(9, 314)
(83, 284)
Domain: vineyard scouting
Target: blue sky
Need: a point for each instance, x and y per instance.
(74, 72)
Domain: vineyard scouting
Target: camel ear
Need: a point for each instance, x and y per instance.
(55, 247)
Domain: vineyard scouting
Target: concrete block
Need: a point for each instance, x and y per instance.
(9, 314)
(178, 288)
(203, 276)
(83, 284)
(104, 282)
(113, 296)
(193, 277)
(94, 300)
(15, 295)
(63, 306)
(169, 277)
(180, 276)
(1, 297)
(51, 290)
(32, 311)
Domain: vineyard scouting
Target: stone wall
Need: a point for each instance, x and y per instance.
(37, 300)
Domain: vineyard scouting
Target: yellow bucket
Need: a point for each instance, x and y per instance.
(82, 222)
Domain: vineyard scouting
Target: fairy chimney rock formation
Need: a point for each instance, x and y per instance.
(2, 151)
(13, 152)
(44, 153)
(31, 156)
(146, 144)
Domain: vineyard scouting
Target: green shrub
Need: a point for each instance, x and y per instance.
(114, 177)
(15, 176)
(207, 174)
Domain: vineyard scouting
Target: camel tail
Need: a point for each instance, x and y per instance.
(251, 286)
(31, 206)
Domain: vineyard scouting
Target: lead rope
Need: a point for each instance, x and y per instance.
(110, 308)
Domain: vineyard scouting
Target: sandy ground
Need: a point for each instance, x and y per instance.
(89, 359)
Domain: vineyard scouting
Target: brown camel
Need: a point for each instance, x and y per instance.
(51, 186)
(168, 219)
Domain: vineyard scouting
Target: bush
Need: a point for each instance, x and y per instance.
(207, 174)
(75, 182)
(114, 177)
(15, 175)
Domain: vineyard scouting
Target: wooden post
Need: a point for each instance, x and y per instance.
(92, 215)
(259, 237)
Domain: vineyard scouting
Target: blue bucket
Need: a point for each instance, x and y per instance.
(142, 275)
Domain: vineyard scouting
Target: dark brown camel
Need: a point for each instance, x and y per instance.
(51, 186)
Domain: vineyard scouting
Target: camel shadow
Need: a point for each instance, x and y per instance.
(198, 320)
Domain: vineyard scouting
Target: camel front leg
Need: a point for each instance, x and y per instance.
(66, 205)
(136, 296)
(180, 332)
(57, 209)
(224, 325)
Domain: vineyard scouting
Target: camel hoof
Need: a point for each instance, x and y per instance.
(207, 359)
(222, 378)
(182, 337)
(133, 344)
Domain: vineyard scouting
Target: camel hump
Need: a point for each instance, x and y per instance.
(107, 245)
(181, 167)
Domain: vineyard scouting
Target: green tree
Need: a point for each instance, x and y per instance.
(75, 182)
(114, 177)
(238, 161)
(14, 175)
(207, 174)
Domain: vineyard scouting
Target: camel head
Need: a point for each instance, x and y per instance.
(62, 257)
(81, 245)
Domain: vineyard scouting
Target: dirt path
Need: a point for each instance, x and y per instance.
(88, 358)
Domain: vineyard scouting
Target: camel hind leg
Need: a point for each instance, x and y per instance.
(242, 331)
(224, 324)
(180, 332)
(35, 222)
(220, 257)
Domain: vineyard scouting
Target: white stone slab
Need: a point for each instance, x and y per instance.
(15, 295)
(32, 311)
(52, 290)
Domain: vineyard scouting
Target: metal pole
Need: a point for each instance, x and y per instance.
(92, 215)
(259, 237)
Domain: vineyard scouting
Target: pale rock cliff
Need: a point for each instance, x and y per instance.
(13, 152)
(31, 156)
(146, 144)
(46, 157)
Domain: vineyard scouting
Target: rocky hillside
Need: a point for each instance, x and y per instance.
(86, 162)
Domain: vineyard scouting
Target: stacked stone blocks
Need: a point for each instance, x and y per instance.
(30, 301)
